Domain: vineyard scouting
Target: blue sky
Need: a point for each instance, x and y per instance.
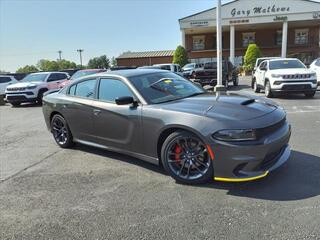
(34, 29)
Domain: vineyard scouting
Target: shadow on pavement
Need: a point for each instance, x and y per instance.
(298, 179)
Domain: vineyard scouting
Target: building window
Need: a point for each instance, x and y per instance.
(301, 36)
(279, 38)
(198, 43)
(248, 38)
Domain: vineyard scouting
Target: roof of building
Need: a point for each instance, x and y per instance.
(165, 53)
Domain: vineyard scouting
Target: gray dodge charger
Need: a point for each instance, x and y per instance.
(162, 118)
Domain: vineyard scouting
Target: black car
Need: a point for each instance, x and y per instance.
(207, 75)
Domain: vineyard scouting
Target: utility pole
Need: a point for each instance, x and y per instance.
(80, 54)
(60, 52)
(219, 86)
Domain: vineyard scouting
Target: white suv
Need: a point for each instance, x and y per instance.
(33, 86)
(284, 75)
(5, 80)
(315, 66)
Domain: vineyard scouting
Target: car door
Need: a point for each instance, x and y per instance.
(55, 79)
(260, 73)
(116, 126)
(77, 108)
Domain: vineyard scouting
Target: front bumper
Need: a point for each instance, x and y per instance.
(237, 162)
(294, 86)
(21, 97)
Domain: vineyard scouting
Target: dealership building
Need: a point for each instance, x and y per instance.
(287, 28)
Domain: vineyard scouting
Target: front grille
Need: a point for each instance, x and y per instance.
(261, 132)
(16, 89)
(297, 87)
(16, 98)
(296, 76)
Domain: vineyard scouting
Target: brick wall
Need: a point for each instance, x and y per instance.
(138, 62)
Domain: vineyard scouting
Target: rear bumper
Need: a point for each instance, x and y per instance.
(237, 162)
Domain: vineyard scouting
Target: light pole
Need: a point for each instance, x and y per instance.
(80, 53)
(60, 52)
(219, 86)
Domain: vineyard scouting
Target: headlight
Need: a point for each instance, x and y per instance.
(313, 75)
(236, 135)
(31, 87)
(277, 83)
(276, 75)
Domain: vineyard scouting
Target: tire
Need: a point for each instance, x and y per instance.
(255, 86)
(15, 104)
(310, 94)
(267, 90)
(61, 132)
(236, 81)
(192, 163)
(40, 96)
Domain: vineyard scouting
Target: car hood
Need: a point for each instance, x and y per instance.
(23, 84)
(292, 71)
(228, 106)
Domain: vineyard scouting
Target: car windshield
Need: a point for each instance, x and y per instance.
(35, 77)
(282, 64)
(80, 74)
(164, 87)
(190, 65)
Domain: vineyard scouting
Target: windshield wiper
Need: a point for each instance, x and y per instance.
(195, 94)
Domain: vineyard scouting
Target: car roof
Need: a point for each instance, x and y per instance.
(48, 72)
(282, 59)
(129, 72)
(92, 69)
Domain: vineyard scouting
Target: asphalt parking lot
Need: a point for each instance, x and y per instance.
(85, 193)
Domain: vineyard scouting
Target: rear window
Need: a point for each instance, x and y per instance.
(283, 64)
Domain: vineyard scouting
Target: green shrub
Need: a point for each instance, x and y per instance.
(180, 56)
(253, 52)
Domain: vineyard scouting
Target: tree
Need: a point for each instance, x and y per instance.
(65, 64)
(28, 69)
(48, 65)
(101, 62)
(114, 62)
(180, 56)
(253, 52)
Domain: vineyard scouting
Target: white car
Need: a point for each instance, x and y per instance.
(33, 86)
(315, 66)
(6, 80)
(170, 67)
(284, 75)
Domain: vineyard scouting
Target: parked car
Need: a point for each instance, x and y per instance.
(149, 67)
(70, 71)
(260, 60)
(5, 80)
(207, 75)
(163, 118)
(315, 66)
(170, 67)
(79, 74)
(288, 75)
(188, 69)
(33, 86)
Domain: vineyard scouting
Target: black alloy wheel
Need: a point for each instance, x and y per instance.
(185, 157)
(61, 131)
(255, 86)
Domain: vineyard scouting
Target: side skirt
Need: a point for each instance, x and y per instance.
(133, 154)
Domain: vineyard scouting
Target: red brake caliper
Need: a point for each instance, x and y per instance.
(178, 151)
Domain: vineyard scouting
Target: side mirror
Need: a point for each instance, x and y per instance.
(125, 100)
(263, 69)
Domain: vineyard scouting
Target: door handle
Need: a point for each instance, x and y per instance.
(96, 112)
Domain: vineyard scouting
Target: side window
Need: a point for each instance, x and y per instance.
(84, 89)
(262, 65)
(5, 79)
(317, 63)
(166, 67)
(72, 90)
(56, 77)
(110, 89)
